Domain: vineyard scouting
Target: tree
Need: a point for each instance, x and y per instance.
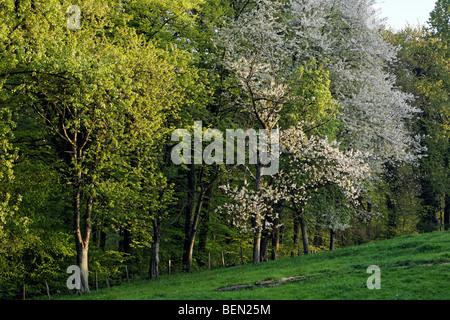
(257, 54)
(440, 19)
(440, 23)
(328, 209)
(423, 71)
(7, 157)
(252, 211)
(313, 163)
(169, 22)
(374, 112)
(266, 45)
(98, 92)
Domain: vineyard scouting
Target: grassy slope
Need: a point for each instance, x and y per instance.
(414, 267)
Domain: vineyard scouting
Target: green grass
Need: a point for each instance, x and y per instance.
(413, 267)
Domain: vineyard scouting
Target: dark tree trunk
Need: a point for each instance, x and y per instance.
(304, 236)
(156, 246)
(193, 232)
(195, 203)
(190, 251)
(276, 230)
(447, 212)
(275, 243)
(126, 243)
(428, 221)
(296, 232)
(392, 217)
(264, 250)
(204, 230)
(332, 239)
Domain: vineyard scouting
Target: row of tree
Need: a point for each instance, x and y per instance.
(87, 115)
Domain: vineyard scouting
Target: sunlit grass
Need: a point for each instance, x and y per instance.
(414, 267)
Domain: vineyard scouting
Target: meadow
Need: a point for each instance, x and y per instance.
(412, 267)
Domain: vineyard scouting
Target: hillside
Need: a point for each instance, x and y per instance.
(413, 267)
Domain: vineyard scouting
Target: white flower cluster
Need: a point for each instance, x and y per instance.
(256, 52)
(250, 210)
(311, 163)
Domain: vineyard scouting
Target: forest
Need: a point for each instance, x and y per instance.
(114, 117)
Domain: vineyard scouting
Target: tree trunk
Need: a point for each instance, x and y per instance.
(195, 203)
(81, 242)
(332, 239)
(192, 216)
(257, 247)
(304, 236)
(82, 246)
(126, 242)
(392, 217)
(297, 232)
(256, 221)
(156, 247)
(204, 231)
(190, 208)
(190, 252)
(431, 204)
(276, 230)
(193, 233)
(447, 212)
(275, 243)
(82, 262)
(155, 259)
(264, 250)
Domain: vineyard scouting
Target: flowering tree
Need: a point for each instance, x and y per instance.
(252, 211)
(255, 52)
(313, 163)
(265, 47)
(346, 35)
(310, 163)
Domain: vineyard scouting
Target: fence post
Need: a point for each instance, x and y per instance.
(170, 263)
(223, 260)
(96, 281)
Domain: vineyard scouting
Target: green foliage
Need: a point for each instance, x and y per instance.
(90, 111)
(8, 205)
(167, 21)
(440, 19)
(424, 70)
(313, 102)
(328, 209)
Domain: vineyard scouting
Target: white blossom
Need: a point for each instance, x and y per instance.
(312, 163)
(265, 45)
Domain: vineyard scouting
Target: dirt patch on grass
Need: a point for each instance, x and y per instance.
(432, 264)
(236, 287)
(264, 283)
